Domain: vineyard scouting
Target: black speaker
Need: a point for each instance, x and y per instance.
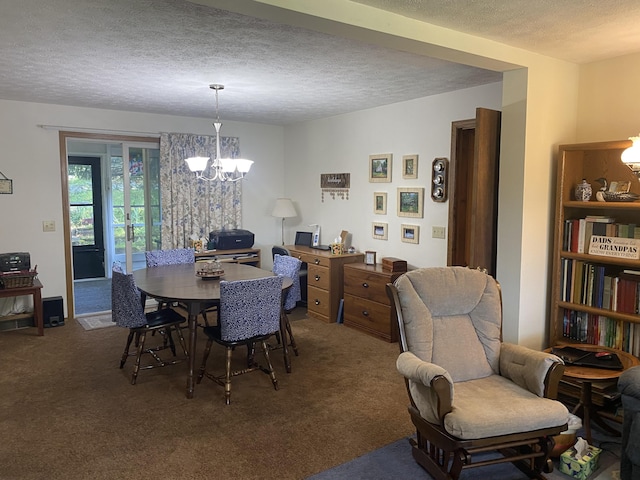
(52, 312)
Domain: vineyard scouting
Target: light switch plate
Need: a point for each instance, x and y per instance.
(438, 232)
(48, 226)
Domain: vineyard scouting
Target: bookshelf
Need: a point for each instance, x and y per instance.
(586, 289)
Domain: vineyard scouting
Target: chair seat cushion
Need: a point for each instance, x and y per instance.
(492, 406)
(165, 316)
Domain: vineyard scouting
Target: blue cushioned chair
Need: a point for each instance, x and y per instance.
(127, 311)
(249, 314)
(156, 258)
(287, 266)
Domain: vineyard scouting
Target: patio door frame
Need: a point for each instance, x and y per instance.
(64, 136)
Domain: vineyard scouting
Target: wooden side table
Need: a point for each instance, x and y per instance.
(585, 376)
(36, 291)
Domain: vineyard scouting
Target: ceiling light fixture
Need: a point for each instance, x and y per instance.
(223, 169)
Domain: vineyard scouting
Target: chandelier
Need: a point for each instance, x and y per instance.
(223, 169)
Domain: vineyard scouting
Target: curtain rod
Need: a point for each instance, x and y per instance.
(98, 130)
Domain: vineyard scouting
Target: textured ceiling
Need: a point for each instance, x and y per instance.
(159, 56)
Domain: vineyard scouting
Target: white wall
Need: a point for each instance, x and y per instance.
(30, 157)
(342, 144)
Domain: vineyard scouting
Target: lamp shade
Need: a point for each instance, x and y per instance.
(284, 208)
(197, 164)
(632, 154)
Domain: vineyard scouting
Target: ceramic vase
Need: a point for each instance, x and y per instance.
(583, 191)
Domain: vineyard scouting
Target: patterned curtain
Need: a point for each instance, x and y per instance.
(191, 206)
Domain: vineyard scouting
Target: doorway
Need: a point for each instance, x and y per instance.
(473, 191)
(85, 216)
(122, 208)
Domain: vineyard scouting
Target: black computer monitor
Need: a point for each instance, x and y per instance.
(304, 238)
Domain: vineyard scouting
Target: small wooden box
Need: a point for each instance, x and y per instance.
(392, 264)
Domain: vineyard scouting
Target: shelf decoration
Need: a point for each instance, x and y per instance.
(335, 184)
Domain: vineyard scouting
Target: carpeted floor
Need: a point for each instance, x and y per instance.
(68, 412)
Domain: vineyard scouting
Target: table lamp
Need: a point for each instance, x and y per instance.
(284, 209)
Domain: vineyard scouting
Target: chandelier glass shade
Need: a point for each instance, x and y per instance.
(222, 169)
(631, 156)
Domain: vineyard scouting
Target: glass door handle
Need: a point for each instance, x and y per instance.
(131, 233)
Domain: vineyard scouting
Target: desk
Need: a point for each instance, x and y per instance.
(586, 376)
(36, 291)
(179, 283)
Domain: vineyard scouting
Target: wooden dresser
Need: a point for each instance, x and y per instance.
(366, 305)
(324, 281)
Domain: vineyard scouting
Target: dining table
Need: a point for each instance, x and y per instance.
(180, 283)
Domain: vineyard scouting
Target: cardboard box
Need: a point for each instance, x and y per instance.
(583, 468)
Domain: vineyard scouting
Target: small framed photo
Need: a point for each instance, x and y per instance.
(370, 257)
(410, 166)
(380, 231)
(410, 202)
(380, 203)
(410, 233)
(380, 167)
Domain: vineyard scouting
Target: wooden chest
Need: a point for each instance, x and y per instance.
(366, 305)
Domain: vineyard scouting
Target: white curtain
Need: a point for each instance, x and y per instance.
(190, 206)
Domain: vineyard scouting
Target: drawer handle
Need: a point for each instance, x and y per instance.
(365, 285)
(317, 278)
(365, 313)
(317, 261)
(317, 302)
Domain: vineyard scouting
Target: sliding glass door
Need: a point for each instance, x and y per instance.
(134, 203)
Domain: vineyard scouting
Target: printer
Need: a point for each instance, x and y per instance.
(230, 239)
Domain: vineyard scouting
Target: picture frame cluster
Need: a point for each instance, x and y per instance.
(409, 200)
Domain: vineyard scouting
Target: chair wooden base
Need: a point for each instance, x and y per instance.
(283, 342)
(225, 379)
(140, 335)
(445, 456)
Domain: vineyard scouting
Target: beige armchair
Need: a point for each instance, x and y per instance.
(469, 391)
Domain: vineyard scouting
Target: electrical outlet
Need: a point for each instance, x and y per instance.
(49, 226)
(438, 232)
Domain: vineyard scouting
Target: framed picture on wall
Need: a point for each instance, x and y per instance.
(410, 233)
(380, 167)
(410, 166)
(379, 230)
(380, 203)
(410, 202)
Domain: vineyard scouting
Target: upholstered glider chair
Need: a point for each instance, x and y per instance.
(127, 311)
(469, 391)
(156, 258)
(302, 275)
(629, 387)
(288, 266)
(249, 315)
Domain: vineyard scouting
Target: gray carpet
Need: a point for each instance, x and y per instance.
(394, 461)
(92, 296)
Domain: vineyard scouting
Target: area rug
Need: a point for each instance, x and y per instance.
(394, 461)
(94, 322)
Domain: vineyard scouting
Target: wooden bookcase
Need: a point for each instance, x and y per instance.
(590, 161)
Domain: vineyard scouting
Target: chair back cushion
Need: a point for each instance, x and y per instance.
(452, 318)
(288, 266)
(126, 306)
(250, 308)
(156, 258)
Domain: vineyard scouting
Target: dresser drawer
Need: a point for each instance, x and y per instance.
(311, 259)
(318, 302)
(367, 285)
(318, 277)
(370, 317)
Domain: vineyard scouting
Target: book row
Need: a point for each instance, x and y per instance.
(577, 232)
(600, 330)
(600, 286)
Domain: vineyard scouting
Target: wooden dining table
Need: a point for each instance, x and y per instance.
(179, 283)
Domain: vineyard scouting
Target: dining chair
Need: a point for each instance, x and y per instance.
(249, 314)
(302, 275)
(156, 258)
(288, 266)
(127, 311)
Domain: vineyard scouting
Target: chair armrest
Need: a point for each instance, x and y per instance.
(538, 372)
(430, 386)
